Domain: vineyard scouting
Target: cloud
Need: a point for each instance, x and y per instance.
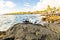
(6, 6)
(44, 3)
(27, 4)
(10, 4)
(7, 10)
(2, 4)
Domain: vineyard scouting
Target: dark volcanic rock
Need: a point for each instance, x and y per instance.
(30, 32)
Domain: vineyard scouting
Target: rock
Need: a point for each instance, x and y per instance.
(31, 32)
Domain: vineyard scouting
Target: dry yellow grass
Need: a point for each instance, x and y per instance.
(52, 18)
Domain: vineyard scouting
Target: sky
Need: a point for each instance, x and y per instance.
(7, 6)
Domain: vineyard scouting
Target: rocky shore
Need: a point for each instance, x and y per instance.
(31, 32)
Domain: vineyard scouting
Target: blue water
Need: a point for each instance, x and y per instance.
(7, 21)
(20, 18)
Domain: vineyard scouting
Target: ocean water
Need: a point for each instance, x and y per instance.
(20, 18)
(7, 21)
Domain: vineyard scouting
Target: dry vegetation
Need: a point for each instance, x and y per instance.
(45, 11)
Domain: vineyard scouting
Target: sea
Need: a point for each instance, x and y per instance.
(7, 21)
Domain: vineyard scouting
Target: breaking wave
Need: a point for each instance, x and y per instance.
(6, 21)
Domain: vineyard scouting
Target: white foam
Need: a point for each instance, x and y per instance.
(6, 22)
